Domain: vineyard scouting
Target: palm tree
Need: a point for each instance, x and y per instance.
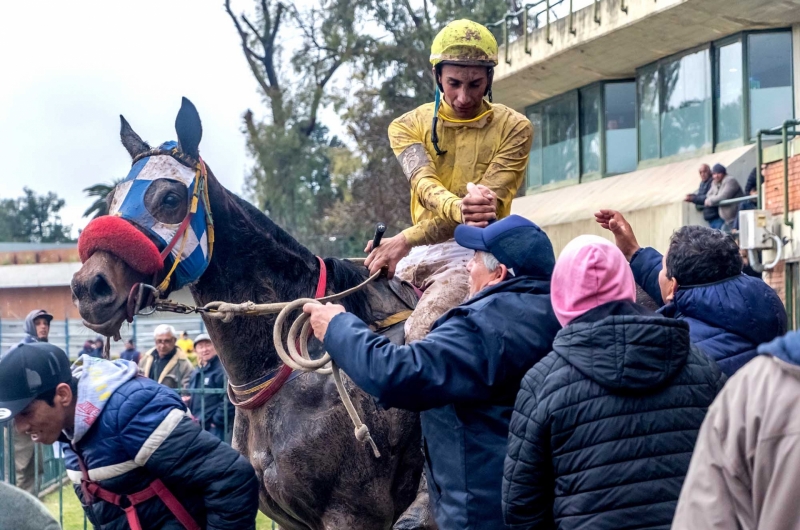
(100, 205)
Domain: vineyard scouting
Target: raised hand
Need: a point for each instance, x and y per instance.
(624, 237)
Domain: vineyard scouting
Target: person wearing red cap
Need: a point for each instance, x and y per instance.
(604, 426)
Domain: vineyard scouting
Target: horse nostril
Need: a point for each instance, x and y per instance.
(100, 288)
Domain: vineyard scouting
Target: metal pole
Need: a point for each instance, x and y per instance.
(623, 6)
(789, 294)
(203, 396)
(785, 137)
(572, 19)
(597, 11)
(505, 39)
(549, 40)
(525, 28)
(66, 336)
(759, 163)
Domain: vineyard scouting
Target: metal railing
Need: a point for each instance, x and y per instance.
(547, 9)
(52, 477)
(70, 334)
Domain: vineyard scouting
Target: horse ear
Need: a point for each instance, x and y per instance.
(189, 129)
(132, 142)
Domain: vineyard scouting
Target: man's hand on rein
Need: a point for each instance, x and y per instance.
(321, 316)
(388, 254)
(479, 207)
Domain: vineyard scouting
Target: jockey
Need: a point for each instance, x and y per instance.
(465, 159)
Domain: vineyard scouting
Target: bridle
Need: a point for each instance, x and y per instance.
(199, 193)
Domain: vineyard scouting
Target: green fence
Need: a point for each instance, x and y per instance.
(52, 485)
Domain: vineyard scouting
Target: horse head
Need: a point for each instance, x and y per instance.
(158, 231)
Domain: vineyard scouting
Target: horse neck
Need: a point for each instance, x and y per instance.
(255, 260)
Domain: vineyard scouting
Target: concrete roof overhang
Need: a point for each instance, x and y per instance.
(623, 42)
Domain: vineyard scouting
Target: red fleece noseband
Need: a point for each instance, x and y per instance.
(120, 238)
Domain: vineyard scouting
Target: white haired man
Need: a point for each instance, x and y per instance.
(166, 363)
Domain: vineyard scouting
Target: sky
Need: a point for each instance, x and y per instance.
(69, 69)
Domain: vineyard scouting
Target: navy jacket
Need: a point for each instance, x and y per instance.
(211, 376)
(463, 377)
(604, 426)
(143, 433)
(727, 319)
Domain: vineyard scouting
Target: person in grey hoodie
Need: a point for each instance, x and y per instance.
(37, 329)
(724, 187)
(27, 513)
(745, 466)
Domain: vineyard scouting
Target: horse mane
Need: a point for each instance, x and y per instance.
(346, 274)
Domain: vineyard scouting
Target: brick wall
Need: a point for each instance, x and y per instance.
(773, 201)
(40, 256)
(16, 303)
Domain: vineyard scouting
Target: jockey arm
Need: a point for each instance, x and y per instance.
(503, 176)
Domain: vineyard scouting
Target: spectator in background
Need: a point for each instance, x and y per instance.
(97, 350)
(603, 427)
(700, 280)
(744, 469)
(166, 363)
(710, 213)
(88, 347)
(37, 329)
(724, 187)
(185, 343)
(210, 374)
(130, 353)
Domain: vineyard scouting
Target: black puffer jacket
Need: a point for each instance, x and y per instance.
(604, 426)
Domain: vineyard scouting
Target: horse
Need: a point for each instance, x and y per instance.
(313, 472)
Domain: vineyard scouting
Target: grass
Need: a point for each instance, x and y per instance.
(73, 513)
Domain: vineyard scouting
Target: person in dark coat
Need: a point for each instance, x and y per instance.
(209, 409)
(464, 375)
(603, 427)
(698, 198)
(37, 327)
(130, 353)
(131, 435)
(700, 280)
(97, 348)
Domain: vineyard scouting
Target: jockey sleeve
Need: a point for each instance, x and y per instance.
(492, 150)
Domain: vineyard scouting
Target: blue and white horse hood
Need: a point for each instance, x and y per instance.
(129, 203)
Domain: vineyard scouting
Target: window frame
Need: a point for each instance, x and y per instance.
(603, 141)
(715, 79)
(745, 36)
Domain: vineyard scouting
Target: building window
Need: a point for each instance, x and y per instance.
(620, 127)
(730, 93)
(647, 87)
(535, 159)
(685, 87)
(590, 129)
(769, 62)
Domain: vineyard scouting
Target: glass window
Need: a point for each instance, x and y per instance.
(560, 139)
(769, 62)
(685, 85)
(647, 86)
(535, 160)
(590, 130)
(620, 127)
(730, 115)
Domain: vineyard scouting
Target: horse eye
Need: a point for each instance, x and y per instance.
(171, 200)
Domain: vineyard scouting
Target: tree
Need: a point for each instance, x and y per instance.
(100, 205)
(33, 218)
(326, 194)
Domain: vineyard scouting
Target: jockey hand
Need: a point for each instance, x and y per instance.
(321, 316)
(479, 206)
(614, 222)
(388, 254)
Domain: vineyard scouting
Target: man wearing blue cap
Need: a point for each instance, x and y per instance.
(464, 375)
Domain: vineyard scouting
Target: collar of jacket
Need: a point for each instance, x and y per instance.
(518, 284)
(484, 117)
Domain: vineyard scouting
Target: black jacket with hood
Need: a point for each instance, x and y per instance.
(604, 427)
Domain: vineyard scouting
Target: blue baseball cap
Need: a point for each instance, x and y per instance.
(515, 241)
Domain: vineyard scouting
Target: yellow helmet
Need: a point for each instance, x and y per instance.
(464, 42)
